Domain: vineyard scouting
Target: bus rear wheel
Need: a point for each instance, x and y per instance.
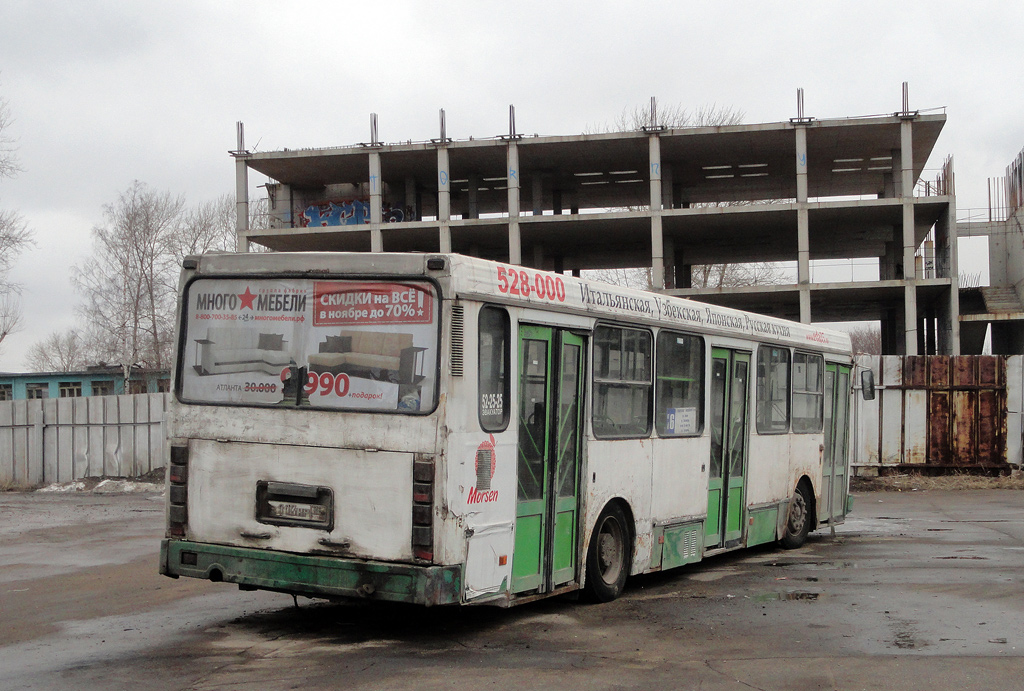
(609, 555)
(798, 524)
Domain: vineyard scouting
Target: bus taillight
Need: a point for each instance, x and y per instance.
(423, 508)
(177, 492)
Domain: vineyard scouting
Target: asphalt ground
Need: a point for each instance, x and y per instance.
(918, 590)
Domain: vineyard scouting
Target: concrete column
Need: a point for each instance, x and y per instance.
(444, 199)
(538, 194)
(803, 245)
(801, 164)
(515, 245)
(667, 190)
(910, 319)
(472, 208)
(805, 304)
(684, 274)
(953, 347)
(657, 242)
(538, 256)
(241, 194)
(670, 264)
(376, 238)
(909, 244)
(803, 228)
(412, 206)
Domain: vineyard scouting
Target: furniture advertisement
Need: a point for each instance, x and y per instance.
(302, 342)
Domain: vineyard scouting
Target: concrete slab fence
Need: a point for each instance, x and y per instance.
(49, 440)
(932, 413)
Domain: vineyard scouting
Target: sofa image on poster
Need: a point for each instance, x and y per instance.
(227, 350)
(379, 355)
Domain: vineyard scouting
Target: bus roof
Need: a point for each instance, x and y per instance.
(518, 285)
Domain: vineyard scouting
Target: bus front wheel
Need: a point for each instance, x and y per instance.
(798, 524)
(608, 556)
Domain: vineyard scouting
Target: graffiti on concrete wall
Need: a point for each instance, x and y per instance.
(349, 212)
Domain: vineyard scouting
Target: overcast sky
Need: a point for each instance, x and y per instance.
(104, 93)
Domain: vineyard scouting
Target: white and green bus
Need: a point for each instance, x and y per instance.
(439, 429)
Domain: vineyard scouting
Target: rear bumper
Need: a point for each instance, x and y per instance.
(312, 575)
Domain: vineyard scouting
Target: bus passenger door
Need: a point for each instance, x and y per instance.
(730, 371)
(834, 460)
(550, 417)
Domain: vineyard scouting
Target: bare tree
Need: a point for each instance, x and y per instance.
(866, 338)
(15, 235)
(59, 352)
(676, 115)
(731, 275)
(637, 277)
(128, 281)
(207, 227)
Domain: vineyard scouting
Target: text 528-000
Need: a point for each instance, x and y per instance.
(528, 283)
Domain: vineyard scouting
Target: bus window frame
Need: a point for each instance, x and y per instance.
(596, 382)
(759, 402)
(182, 324)
(701, 409)
(820, 394)
(506, 355)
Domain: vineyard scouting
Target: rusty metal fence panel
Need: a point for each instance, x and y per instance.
(941, 413)
(49, 440)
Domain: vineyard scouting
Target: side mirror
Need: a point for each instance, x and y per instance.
(867, 384)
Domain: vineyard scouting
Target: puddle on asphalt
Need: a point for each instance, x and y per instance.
(814, 565)
(788, 597)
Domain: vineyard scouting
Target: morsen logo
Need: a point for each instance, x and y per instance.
(485, 463)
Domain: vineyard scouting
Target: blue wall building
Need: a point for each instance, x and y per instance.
(93, 381)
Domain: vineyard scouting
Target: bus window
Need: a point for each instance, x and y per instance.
(622, 382)
(494, 347)
(335, 344)
(772, 390)
(807, 392)
(680, 381)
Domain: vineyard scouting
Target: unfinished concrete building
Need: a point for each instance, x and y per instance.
(667, 199)
(997, 310)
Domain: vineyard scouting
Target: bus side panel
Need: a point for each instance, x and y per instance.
(805, 459)
(480, 493)
(769, 469)
(681, 469)
(777, 462)
(372, 497)
(621, 468)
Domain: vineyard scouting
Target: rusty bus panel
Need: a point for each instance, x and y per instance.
(938, 371)
(938, 428)
(915, 371)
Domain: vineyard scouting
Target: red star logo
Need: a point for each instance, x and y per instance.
(247, 298)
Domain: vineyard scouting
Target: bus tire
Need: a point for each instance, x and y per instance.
(798, 521)
(608, 558)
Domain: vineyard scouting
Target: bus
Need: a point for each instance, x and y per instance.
(442, 429)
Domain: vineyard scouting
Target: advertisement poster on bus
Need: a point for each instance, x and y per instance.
(368, 345)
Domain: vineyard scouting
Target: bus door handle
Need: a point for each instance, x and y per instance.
(255, 536)
(327, 542)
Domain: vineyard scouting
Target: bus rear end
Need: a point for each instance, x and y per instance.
(304, 429)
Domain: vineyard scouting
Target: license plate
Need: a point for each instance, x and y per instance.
(295, 511)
